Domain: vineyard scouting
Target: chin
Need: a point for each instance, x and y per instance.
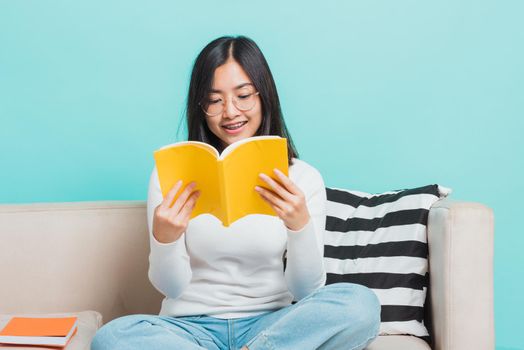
(229, 139)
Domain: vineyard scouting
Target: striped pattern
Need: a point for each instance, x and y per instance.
(379, 240)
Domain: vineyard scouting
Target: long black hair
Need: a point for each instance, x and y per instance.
(248, 55)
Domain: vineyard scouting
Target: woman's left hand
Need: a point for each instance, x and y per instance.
(287, 200)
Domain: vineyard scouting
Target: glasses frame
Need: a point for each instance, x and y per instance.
(234, 104)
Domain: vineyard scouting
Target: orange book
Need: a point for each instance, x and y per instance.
(226, 181)
(48, 331)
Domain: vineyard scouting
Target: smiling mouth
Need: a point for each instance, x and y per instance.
(235, 126)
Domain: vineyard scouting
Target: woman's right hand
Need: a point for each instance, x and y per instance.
(170, 222)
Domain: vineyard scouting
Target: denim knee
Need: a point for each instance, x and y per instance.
(360, 304)
(103, 339)
(105, 336)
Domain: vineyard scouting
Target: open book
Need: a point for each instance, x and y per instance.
(49, 331)
(226, 181)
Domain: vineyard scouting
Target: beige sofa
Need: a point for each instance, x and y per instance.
(91, 259)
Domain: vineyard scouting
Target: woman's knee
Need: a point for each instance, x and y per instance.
(359, 304)
(107, 336)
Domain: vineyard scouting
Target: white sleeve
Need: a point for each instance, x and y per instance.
(169, 268)
(305, 271)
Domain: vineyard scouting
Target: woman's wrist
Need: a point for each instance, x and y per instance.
(297, 227)
(166, 240)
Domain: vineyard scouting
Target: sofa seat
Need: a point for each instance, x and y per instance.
(88, 323)
(404, 342)
(60, 257)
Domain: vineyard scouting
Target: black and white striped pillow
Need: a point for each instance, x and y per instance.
(379, 240)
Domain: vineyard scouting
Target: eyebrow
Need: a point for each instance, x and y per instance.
(236, 87)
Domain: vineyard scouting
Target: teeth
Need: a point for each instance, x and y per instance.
(234, 126)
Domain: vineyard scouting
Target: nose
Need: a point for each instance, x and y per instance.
(230, 110)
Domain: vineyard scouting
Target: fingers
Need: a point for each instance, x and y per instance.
(284, 197)
(170, 222)
(181, 200)
(271, 198)
(276, 187)
(166, 203)
(290, 186)
(189, 205)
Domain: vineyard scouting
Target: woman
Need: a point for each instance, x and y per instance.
(227, 287)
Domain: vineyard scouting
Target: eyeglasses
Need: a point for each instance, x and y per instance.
(214, 107)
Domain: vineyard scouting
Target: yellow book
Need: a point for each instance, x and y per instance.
(226, 181)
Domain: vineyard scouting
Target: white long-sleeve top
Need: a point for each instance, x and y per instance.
(237, 271)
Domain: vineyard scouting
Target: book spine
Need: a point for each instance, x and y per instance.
(224, 203)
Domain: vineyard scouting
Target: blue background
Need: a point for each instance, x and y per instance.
(378, 95)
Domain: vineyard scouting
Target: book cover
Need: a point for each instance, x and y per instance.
(226, 181)
(49, 331)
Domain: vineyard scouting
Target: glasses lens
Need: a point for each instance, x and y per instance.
(212, 106)
(244, 102)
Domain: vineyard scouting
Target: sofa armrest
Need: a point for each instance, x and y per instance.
(460, 240)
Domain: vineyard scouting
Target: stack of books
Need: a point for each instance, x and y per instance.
(39, 331)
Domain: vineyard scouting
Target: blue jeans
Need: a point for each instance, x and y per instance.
(338, 316)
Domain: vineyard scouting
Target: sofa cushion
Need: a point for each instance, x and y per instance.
(88, 323)
(398, 342)
(379, 240)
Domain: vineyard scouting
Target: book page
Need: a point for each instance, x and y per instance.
(202, 145)
(242, 166)
(233, 146)
(191, 162)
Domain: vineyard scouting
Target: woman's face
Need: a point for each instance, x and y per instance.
(231, 81)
